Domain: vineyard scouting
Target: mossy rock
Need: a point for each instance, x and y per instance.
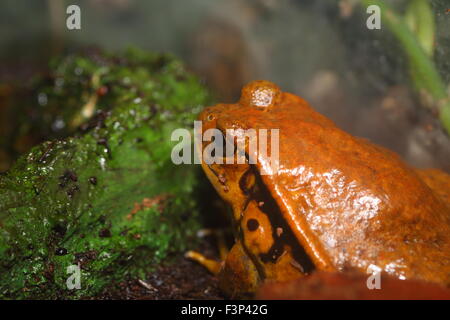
(108, 197)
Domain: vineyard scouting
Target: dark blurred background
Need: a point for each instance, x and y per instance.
(319, 49)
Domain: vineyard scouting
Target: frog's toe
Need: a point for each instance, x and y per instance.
(212, 265)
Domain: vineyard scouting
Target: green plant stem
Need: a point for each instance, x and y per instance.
(425, 76)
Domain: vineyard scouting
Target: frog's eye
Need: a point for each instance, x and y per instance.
(247, 182)
(260, 94)
(210, 117)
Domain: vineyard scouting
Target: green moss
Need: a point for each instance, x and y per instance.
(79, 200)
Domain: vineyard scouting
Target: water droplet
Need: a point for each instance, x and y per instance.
(42, 99)
(59, 82)
(58, 124)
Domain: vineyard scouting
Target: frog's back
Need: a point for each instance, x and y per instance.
(350, 203)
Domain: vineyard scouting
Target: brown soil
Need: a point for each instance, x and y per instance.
(183, 279)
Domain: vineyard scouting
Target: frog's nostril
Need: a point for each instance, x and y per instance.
(252, 224)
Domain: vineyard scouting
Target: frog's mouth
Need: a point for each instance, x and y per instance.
(243, 185)
(282, 242)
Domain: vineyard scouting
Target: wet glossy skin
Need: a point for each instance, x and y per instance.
(337, 202)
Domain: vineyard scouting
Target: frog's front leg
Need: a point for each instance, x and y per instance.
(237, 274)
(213, 266)
(238, 277)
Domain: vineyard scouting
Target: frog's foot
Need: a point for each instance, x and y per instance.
(212, 265)
(237, 274)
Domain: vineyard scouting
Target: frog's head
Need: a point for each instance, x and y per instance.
(259, 226)
(232, 179)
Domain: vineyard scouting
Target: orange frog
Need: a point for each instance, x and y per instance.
(336, 202)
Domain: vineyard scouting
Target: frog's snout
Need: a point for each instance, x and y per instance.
(260, 94)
